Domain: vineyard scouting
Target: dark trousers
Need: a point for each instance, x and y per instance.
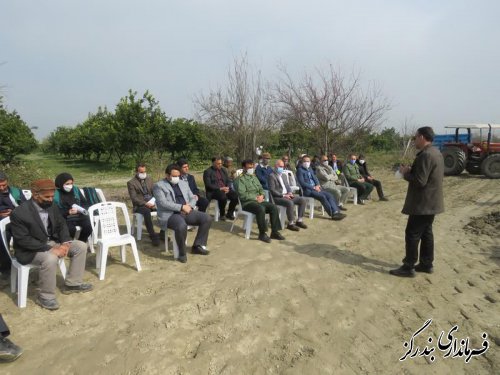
(4, 330)
(290, 204)
(419, 230)
(5, 261)
(326, 199)
(146, 212)
(179, 223)
(222, 198)
(364, 189)
(83, 222)
(260, 210)
(202, 204)
(378, 186)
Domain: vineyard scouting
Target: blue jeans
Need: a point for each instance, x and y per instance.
(326, 199)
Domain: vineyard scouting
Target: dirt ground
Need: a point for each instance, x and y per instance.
(321, 302)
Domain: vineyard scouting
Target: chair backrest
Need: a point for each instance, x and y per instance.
(100, 194)
(239, 172)
(291, 178)
(343, 180)
(107, 225)
(27, 194)
(3, 232)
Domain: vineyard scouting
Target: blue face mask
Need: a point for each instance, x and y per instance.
(353, 162)
(279, 170)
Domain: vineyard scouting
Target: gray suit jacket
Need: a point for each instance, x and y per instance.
(135, 191)
(425, 188)
(165, 200)
(275, 187)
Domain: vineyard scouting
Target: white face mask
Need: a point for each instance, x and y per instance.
(325, 163)
(175, 180)
(361, 161)
(250, 171)
(306, 164)
(142, 176)
(67, 188)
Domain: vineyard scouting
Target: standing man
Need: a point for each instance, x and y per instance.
(251, 195)
(10, 198)
(176, 204)
(217, 185)
(201, 202)
(8, 350)
(424, 199)
(311, 188)
(41, 237)
(356, 180)
(281, 193)
(140, 189)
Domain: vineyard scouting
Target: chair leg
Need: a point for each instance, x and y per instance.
(175, 247)
(103, 259)
(139, 219)
(166, 241)
(123, 253)
(136, 256)
(90, 243)
(13, 279)
(62, 267)
(248, 221)
(22, 286)
(234, 221)
(311, 209)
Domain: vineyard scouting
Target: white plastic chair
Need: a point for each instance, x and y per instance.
(353, 192)
(107, 226)
(247, 219)
(216, 209)
(282, 215)
(27, 194)
(292, 181)
(137, 223)
(19, 273)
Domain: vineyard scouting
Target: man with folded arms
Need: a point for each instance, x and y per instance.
(41, 238)
(282, 195)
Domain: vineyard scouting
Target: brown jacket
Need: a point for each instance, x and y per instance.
(425, 188)
(135, 191)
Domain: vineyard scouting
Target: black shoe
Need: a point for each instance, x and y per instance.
(49, 304)
(82, 288)
(162, 235)
(300, 224)
(156, 241)
(182, 259)
(222, 218)
(293, 227)
(338, 216)
(264, 237)
(403, 271)
(230, 216)
(361, 202)
(277, 236)
(342, 208)
(198, 249)
(421, 268)
(384, 199)
(8, 350)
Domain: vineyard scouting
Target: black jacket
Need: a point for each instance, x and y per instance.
(363, 169)
(210, 179)
(29, 232)
(192, 184)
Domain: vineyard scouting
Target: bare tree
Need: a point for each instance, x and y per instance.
(241, 111)
(330, 105)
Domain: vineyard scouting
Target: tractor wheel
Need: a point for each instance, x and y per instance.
(491, 166)
(454, 161)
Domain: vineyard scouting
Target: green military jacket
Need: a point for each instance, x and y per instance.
(351, 172)
(248, 188)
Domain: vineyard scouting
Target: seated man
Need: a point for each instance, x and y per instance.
(41, 237)
(355, 179)
(329, 181)
(252, 200)
(8, 350)
(311, 188)
(287, 165)
(363, 169)
(217, 186)
(10, 198)
(264, 169)
(175, 203)
(201, 202)
(281, 193)
(228, 166)
(140, 190)
(336, 164)
(73, 206)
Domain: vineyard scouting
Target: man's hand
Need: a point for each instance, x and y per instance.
(5, 213)
(196, 197)
(150, 205)
(186, 208)
(369, 178)
(73, 211)
(288, 196)
(317, 188)
(403, 169)
(225, 189)
(361, 179)
(260, 198)
(60, 250)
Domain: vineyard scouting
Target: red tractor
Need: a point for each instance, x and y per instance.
(478, 152)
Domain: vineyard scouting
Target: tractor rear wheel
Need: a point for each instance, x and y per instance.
(454, 161)
(491, 166)
(473, 167)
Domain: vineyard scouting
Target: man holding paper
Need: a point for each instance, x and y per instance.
(140, 189)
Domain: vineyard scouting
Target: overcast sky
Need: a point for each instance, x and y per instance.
(437, 61)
